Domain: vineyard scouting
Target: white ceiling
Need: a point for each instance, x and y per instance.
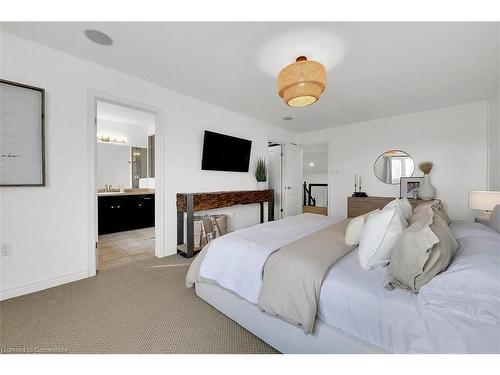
(125, 115)
(315, 147)
(374, 69)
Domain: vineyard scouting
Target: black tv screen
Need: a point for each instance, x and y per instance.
(225, 153)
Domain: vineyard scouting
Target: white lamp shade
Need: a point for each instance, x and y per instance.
(484, 200)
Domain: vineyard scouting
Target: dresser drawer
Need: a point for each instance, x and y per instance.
(357, 206)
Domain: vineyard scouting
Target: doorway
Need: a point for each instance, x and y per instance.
(125, 185)
(315, 185)
(285, 178)
(275, 162)
(125, 173)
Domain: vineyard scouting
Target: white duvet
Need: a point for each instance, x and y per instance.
(471, 284)
(236, 260)
(356, 301)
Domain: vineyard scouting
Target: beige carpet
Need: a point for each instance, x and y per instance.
(142, 307)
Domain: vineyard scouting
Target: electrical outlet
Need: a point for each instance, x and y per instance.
(6, 250)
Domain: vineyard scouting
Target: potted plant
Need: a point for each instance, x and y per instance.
(426, 191)
(260, 173)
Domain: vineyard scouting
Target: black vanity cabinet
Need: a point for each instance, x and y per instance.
(117, 213)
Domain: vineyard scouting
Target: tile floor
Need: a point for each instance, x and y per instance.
(116, 249)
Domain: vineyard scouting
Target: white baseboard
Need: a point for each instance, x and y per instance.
(41, 285)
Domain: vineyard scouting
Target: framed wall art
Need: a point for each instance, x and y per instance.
(409, 187)
(22, 135)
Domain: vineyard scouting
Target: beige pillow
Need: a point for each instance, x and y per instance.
(439, 209)
(436, 206)
(423, 250)
(355, 229)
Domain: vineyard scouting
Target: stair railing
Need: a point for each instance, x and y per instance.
(308, 198)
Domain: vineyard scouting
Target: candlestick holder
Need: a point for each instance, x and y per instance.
(356, 192)
(359, 194)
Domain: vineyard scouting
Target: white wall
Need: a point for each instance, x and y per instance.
(319, 159)
(316, 178)
(47, 226)
(494, 140)
(453, 138)
(494, 131)
(134, 135)
(113, 165)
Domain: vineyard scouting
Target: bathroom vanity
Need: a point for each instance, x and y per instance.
(125, 211)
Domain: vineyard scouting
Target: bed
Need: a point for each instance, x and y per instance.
(355, 312)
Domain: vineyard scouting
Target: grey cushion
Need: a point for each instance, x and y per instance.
(494, 221)
(423, 250)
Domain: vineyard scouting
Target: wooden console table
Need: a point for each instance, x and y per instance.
(189, 203)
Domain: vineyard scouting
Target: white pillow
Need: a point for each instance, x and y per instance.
(355, 229)
(380, 234)
(470, 285)
(401, 204)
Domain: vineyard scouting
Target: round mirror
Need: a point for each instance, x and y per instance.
(392, 165)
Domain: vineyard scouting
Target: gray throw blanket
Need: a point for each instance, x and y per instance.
(293, 275)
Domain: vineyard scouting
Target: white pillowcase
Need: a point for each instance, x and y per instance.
(355, 229)
(380, 233)
(402, 204)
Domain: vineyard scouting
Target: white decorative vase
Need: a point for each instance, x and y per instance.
(262, 185)
(426, 191)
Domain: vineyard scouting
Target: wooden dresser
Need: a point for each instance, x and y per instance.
(357, 206)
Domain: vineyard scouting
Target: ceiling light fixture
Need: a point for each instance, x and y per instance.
(98, 37)
(311, 164)
(300, 84)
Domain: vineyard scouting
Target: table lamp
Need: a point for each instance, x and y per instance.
(484, 200)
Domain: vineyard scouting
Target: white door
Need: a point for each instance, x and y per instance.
(292, 192)
(274, 159)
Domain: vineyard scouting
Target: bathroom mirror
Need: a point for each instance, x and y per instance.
(392, 165)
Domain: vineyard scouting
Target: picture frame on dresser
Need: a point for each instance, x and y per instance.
(408, 187)
(22, 134)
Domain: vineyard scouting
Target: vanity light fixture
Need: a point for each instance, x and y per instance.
(300, 84)
(109, 139)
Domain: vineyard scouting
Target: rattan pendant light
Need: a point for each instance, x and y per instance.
(301, 83)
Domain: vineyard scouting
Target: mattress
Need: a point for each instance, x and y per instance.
(355, 300)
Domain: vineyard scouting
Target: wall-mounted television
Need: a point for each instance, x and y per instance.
(223, 152)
